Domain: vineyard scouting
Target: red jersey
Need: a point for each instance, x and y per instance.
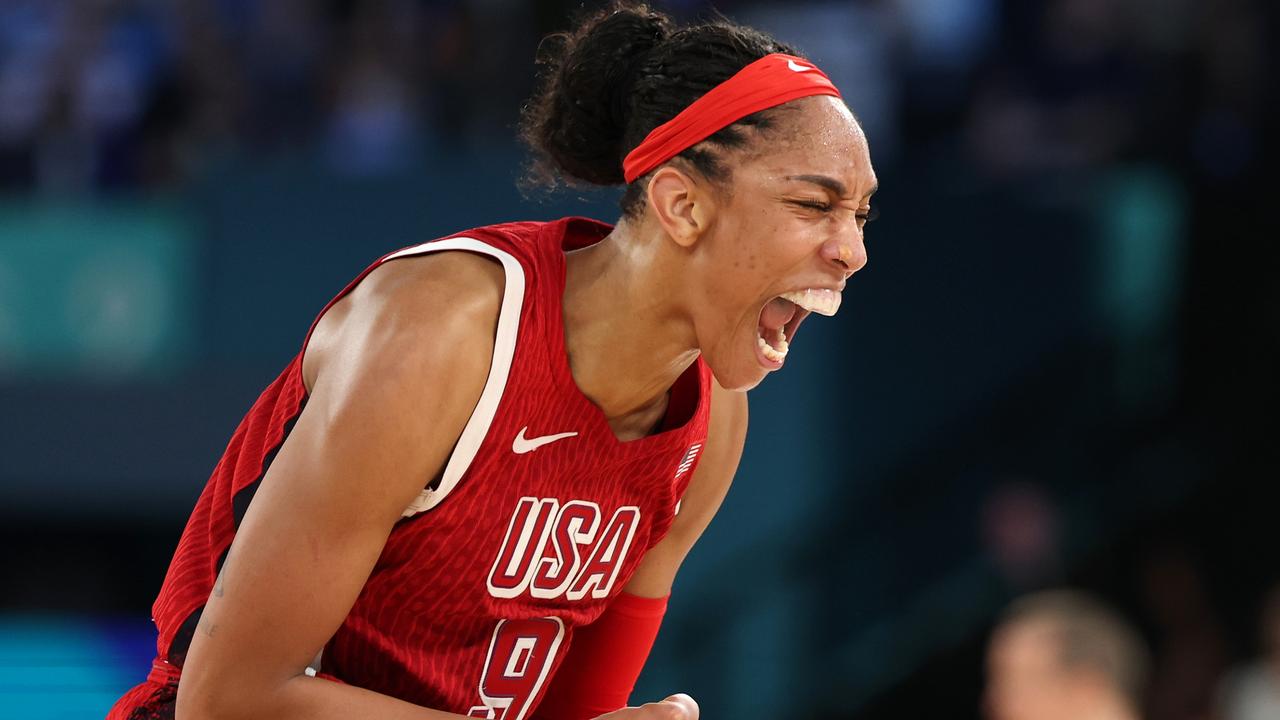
(540, 515)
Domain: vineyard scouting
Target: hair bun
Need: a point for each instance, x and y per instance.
(578, 120)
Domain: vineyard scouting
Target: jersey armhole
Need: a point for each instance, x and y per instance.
(504, 345)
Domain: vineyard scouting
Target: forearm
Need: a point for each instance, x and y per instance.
(300, 698)
(606, 657)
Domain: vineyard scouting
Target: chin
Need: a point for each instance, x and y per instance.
(736, 364)
(739, 377)
(741, 386)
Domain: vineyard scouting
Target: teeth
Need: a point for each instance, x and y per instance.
(770, 352)
(820, 300)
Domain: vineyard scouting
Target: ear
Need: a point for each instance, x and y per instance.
(682, 205)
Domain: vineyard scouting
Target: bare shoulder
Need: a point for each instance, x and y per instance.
(412, 303)
(417, 333)
(471, 278)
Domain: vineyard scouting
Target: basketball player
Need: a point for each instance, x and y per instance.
(470, 492)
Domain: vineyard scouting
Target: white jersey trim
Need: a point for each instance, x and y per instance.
(504, 348)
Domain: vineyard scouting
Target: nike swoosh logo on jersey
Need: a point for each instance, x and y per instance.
(521, 445)
(797, 67)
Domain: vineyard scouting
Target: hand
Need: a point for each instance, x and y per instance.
(676, 707)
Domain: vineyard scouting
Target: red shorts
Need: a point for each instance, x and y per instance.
(153, 699)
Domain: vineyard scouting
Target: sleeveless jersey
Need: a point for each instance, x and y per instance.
(540, 515)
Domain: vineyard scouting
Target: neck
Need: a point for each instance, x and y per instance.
(626, 337)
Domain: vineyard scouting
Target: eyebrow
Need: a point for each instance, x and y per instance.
(830, 183)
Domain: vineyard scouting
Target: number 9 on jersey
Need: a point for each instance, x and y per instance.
(520, 657)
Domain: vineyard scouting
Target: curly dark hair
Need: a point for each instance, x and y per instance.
(619, 74)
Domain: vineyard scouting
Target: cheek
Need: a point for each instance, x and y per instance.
(763, 248)
(750, 257)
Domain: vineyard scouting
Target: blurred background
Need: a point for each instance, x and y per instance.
(1060, 367)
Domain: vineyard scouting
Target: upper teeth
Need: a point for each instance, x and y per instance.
(820, 300)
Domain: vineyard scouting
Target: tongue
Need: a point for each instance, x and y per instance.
(777, 313)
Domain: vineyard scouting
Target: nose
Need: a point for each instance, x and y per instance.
(846, 251)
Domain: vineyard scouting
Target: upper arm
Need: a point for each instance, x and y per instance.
(702, 498)
(417, 334)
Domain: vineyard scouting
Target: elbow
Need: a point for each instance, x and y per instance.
(195, 701)
(201, 698)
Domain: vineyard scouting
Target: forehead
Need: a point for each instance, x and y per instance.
(1025, 644)
(818, 136)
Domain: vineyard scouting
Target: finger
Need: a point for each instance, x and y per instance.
(686, 704)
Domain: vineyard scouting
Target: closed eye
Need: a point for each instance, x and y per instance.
(812, 205)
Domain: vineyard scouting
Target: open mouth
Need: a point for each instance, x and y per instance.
(780, 318)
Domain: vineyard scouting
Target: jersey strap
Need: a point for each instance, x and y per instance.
(504, 347)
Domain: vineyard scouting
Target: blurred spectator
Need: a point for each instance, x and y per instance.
(1020, 531)
(1062, 655)
(1252, 692)
(371, 129)
(1190, 653)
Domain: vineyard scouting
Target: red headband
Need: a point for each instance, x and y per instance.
(771, 80)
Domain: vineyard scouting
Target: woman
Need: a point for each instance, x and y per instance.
(472, 489)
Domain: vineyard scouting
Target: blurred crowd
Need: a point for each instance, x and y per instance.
(1064, 655)
(1171, 641)
(150, 93)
